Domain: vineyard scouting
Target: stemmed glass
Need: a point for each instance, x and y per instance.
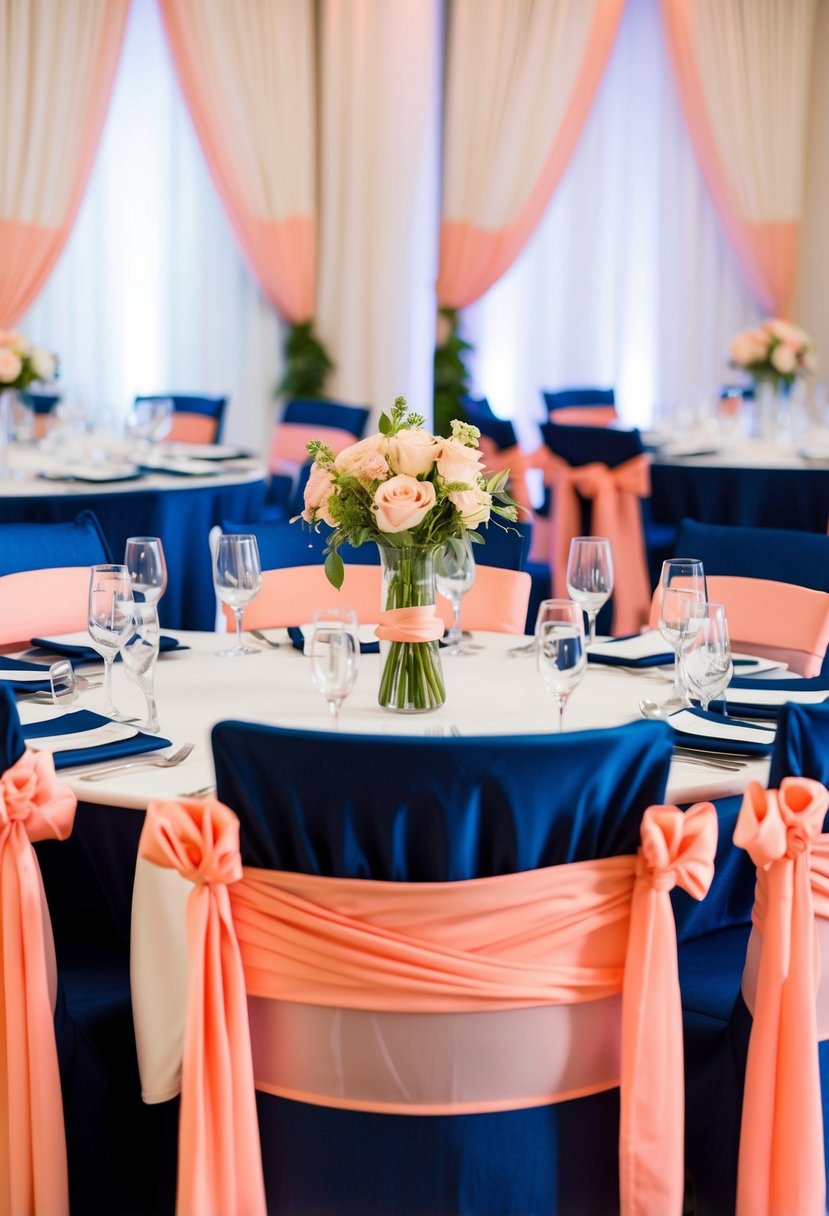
(144, 558)
(335, 654)
(150, 419)
(237, 577)
(590, 576)
(454, 575)
(139, 653)
(110, 621)
(681, 588)
(708, 664)
(561, 655)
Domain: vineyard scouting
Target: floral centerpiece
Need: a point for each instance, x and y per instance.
(21, 363)
(410, 492)
(775, 351)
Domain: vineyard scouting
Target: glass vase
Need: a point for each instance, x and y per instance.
(412, 676)
(770, 406)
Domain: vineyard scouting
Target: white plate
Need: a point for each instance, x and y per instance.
(644, 646)
(181, 465)
(769, 696)
(112, 732)
(103, 472)
(686, 723)
(10, 676)
(206, 451)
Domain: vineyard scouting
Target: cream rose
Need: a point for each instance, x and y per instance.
(10, 366)
(412, 452)
(747, 347)
(457, 462)
(352, 457)
(473, 506)
(43, 363)
(402, 502)
(784, 359)
(318, 490)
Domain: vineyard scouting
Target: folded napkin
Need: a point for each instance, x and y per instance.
(97, 476)
(82, 652)
(638, 650)
(181, 466)
(700, 729)
(300, 636)
(765, 698)
(20, 676)
(82, 737)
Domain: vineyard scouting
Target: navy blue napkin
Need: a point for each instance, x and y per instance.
(721, 742)
(79, 653)
(612, 660)
(85, 720)
(21, 686)
(298, 641)
(770, 712)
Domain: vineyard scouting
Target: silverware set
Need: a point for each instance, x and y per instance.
(114, 770)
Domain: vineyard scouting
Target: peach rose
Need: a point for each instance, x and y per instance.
(318, 489)
(747, 347)
(784, 359)
(792, 335)
(412, 452)
(402, 502)
(9, 337)
(352, 457)
(457, 462)
(10, 366)
(473, 506)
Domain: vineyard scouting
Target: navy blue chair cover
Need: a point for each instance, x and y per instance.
(319, 412)
(427, 810)
(210, 406)
(40, 402)
(79, 542)
(499, 430)
(566, 397)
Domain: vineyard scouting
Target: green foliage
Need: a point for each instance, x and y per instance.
(306, 363)
(451, 375)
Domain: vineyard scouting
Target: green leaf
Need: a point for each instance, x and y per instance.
(385, 424)
(334, 569)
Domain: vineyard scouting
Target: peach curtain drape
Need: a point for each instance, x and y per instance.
(57, 67)
(743, 71)
(521, 77)
(247, 73)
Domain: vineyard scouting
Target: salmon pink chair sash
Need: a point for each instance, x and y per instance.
(617, 514)
(192, 428)
(781, 1165)
(289, 443)
(516, 460)
(584, 415)
(34, 805)
(558, 936)
(36, 602)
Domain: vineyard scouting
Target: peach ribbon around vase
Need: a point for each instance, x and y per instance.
(395, 946)
(34, 805)
(781, 1164)
(419, 624)
(617, 514)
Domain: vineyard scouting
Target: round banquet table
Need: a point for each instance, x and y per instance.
(179, 509)
(754, 483)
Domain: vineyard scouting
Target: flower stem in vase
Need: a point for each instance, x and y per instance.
(412, 677)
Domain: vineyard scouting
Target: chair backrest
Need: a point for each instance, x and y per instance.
(499, 430)
(333, 422)
(785, 555)
(770, 619)
(801, 744)
(34, 546)
(580, 445)
(581, 406)
(198, 418)
(44, 405)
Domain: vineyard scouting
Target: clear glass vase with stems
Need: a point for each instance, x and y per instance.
(411, 679)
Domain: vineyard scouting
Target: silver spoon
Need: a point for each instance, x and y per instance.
(654, 709)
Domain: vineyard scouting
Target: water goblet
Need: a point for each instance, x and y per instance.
(144, 558)
(237, 577)
(110, 620)
(139, 653)
(681, 587)
(150, 419)
(708, 664)
(454, 575)
(561, 657)
(590, 576)
(335, 654)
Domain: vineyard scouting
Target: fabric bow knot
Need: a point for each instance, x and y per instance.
(678, 849)
(31, 794)
(420, 624)
(781, 823)
(198, 837)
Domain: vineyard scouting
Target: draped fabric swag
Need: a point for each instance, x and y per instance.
(57, 67)
(247, 72)
(521, 77)
(743, 71)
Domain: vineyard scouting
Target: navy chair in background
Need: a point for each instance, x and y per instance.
(581, 406)
(304, 419)
(197, 417)
(37, 546)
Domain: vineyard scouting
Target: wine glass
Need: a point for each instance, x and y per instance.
(144, 558)
(454, 575)
(110, 620)
(139, 653)
(590, 576)
(150, 419)
(561, 655)
(237, 577)
(335, 654)
(681, 587)
(708, 664)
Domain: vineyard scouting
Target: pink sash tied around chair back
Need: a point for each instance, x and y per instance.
(617, 514)
(516, 460)
(289, 443)
(48, 601)
(781, 1166)
(220, 1164)
(565, 934)
(420, 624)
(34, 805)
(584, 415)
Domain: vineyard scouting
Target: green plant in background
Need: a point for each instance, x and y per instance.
(451, 373)
(306, 363)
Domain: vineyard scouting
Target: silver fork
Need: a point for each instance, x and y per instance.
(152, 761)
(260, 637)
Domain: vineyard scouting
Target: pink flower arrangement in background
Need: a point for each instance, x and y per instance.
(776, 349)
(402, 487)
(21, 363)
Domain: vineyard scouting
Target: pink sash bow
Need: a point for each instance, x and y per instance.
(781, 1167)
(354, 954)
(617, 515)
(34, 805)
(516, 460)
